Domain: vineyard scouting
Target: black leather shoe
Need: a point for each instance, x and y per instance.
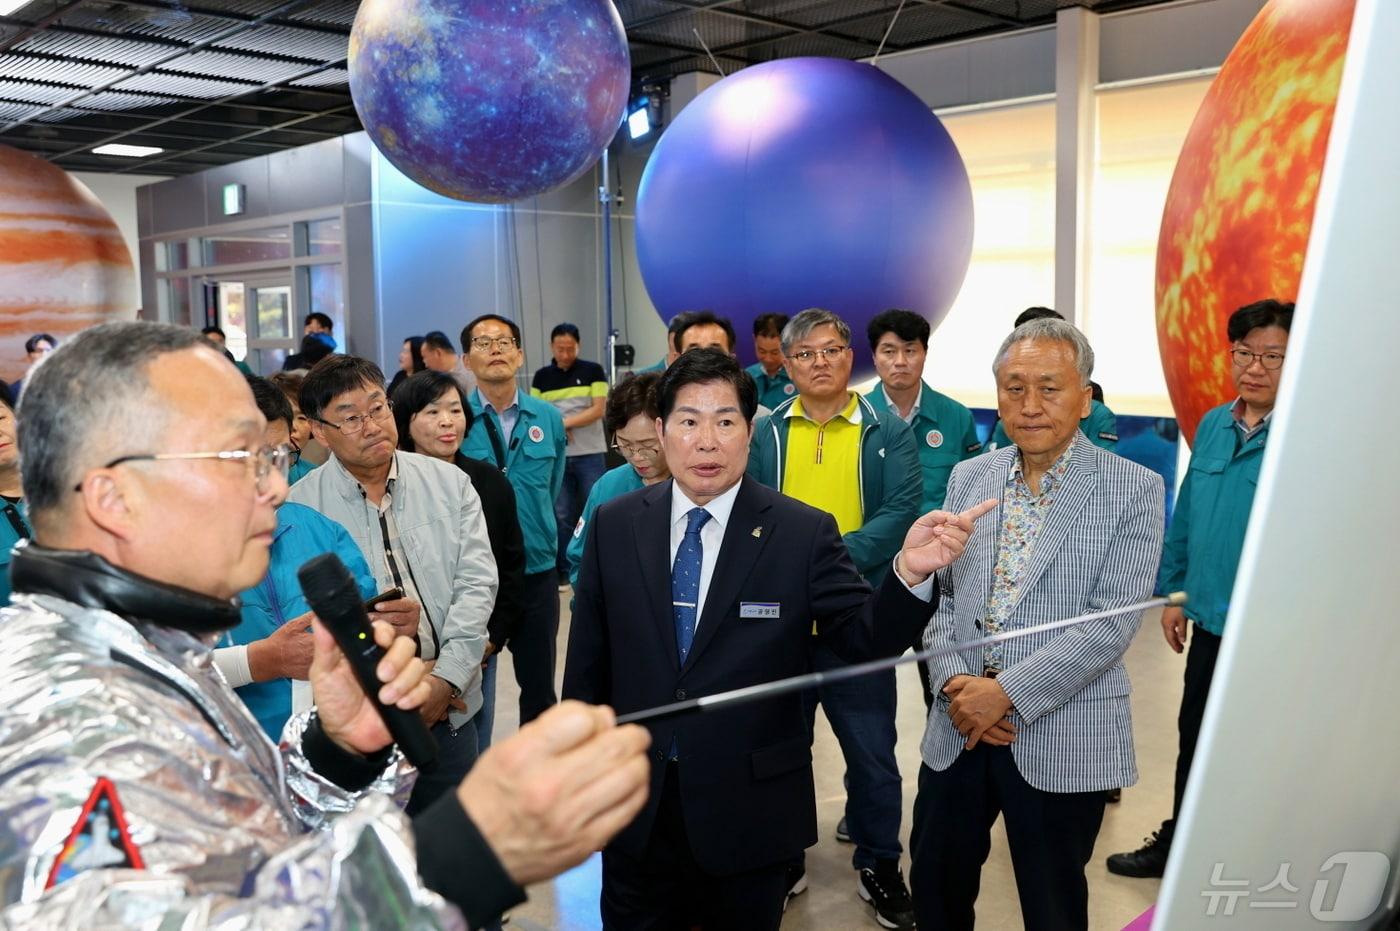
(1149, 860)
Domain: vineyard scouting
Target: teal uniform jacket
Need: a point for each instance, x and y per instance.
(299, 470)
(614, 484)
(14, 526)
(660, 366)
(944, 433)
(1202, 551)
(532, 457)
(1101, 427)
(772, 389)
(302, 533)
(887, 471)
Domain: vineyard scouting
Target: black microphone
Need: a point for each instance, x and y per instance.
(330, 590)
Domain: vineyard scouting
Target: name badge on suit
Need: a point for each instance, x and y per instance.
(759, 609)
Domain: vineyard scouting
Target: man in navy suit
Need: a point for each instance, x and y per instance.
(711, 582)
(1037, 728)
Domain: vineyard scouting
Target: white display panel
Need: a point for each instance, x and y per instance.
(1299, 756)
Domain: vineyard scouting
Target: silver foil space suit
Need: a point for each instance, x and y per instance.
(232, 832)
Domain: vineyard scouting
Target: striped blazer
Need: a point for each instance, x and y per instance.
(1098, 548)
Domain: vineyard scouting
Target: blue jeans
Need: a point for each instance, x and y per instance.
(457, 752)
(861, 712)
(580, 474)
(485, 719)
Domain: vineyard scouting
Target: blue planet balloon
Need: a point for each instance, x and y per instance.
(805, 182)
(490, 101)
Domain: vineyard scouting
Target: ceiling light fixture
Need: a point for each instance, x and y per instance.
(122, 149)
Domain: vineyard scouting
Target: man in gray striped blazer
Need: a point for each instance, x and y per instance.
(1036, 728)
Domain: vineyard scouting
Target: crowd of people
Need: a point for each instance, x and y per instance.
(763, 522)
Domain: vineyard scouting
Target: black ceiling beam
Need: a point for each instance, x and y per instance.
(144, 115)
(271, 85)
(976, 11)
(62, 29)
(70, 134)
(28, 29)
(159, 97)
(155, 160)
(230, 16)
(789, 28)
(146, 69)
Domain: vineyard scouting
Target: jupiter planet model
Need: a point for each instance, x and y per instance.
(63, 263)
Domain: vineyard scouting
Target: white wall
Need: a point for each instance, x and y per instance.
(118, 195)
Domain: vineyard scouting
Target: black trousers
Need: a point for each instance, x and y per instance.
(1051, 835)
(533, 647)
(666, 890)
(1200, 669)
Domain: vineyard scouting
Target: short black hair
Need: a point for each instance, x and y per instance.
(213, 331)
(6, 398)
(332, 377)
(564, 329)
(467, 330)
(905, 324)
(769, 324)
(271, 400)
(635, 394)
(1036, 313)
(436, 339)
(318, 317)
(678, 323)
(700, 366)
(1268, 312)
(289, 383)
(417, 392)
(314, 349)
(32, 343)
(703, 317)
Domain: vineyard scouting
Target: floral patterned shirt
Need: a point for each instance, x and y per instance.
(1023, 515)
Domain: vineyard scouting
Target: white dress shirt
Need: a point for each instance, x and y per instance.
(711, 535)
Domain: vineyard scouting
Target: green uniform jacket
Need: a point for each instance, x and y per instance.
(1202, 551)
(614, 483)
(1101, 427)
(533, 459)
(889, 481)
(944, 434)
(772, 389)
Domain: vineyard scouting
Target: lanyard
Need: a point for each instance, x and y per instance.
(16, 521)
(496, 446)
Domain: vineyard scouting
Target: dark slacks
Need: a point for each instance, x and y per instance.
(457, 753)
(533, 648)
(1051, 835)
(1200, 669)
(666, 890)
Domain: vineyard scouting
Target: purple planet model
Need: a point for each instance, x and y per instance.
(805, 182)
(490, 100)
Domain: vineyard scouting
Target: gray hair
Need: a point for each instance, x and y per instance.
(1052, 329)
(801, 326)
(88, 403)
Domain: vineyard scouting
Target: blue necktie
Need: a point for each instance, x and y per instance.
(685, 580)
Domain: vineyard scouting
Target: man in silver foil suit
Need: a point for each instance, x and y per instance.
(135, 788)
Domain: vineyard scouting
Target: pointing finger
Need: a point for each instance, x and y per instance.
(977, 510)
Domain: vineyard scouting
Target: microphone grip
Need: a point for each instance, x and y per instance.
(346, 619)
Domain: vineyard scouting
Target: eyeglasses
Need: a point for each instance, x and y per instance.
(644, 450)
(487, 343)
(263, 461)
(355, 423)
(1244, 359)
(808, 356)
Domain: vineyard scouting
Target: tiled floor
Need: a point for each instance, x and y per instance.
(570, 903)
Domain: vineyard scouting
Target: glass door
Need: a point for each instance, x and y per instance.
(257, 316)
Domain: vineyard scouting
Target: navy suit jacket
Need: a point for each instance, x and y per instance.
(745, 773)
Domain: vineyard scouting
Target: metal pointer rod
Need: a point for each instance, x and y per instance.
(814, 679)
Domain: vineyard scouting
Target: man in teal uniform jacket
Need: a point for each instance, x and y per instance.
(1202, 550)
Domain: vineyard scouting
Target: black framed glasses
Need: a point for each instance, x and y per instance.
(263, 461)
(379, 412)
(487, 343)
(1272, 361)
